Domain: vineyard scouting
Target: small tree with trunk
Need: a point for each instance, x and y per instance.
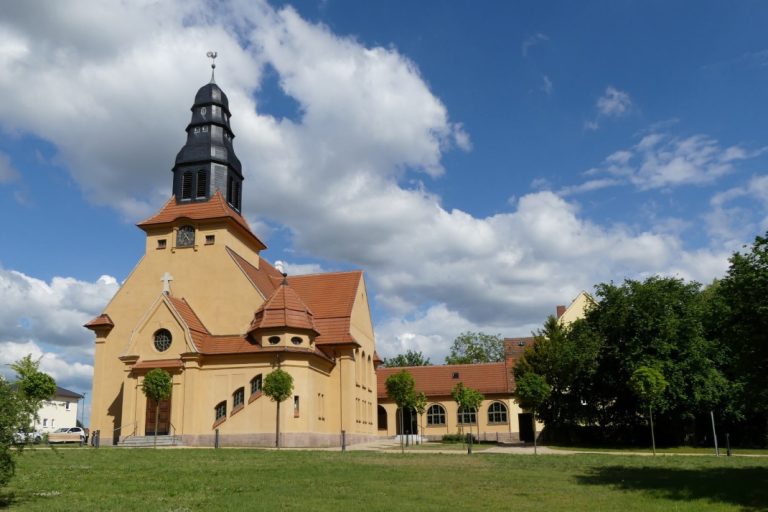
(648, 384)
(467, 400)
(420, 405)
(401, 388)
(531, 392)
(157, 386)
(278, 386)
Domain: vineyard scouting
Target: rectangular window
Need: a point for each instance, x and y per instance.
(218, 152)
(67, 406)
(256, 384)
(295, 406)
(161, 243)
(468, 417)
(205, 129)
(210, 239)
(45, 422)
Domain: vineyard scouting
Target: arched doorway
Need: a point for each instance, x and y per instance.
(409, 424)
(382, 417)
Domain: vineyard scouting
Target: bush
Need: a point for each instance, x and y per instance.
(459, 438)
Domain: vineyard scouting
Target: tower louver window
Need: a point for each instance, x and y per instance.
(202, 184)
(186, 185)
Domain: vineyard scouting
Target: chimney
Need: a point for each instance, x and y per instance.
(513, 351)
(560, 311)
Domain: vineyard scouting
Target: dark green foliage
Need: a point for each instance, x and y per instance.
(648, 384)
(476, 347)
(157, 385)
(401, 388)
(410, 358)
(19, 404)
(655, 323)
(739, 320)
(278, 385)
(532, 391)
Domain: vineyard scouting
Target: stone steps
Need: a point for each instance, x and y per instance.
(149, 441)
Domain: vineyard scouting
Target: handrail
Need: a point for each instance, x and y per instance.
(126, 425)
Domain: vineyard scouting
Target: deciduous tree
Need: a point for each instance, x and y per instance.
(531, 392)
(648, 384)
(278, 386)
(157, 386)
(410, 358)
(401, 388)
(476, 347)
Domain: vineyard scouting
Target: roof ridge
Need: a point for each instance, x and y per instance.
(355, 271)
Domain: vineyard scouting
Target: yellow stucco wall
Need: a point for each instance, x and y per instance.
(329, 391)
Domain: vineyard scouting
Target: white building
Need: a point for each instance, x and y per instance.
(59, 411)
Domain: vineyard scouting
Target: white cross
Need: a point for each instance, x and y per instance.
(166, 279)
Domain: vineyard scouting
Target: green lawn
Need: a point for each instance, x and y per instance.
(233, 479)
(674, 450)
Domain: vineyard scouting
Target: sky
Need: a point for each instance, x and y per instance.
(482, 162)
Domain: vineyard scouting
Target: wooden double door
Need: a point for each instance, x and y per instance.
(163, 418)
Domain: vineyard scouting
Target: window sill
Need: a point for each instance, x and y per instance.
(236, 410)
(255, 396)
(219, 421)
(495, 423)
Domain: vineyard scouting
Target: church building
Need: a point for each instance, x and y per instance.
(205, 306)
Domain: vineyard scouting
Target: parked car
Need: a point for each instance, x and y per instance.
(22, 437)
(68, 435)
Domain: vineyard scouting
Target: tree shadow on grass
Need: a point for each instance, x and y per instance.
(743, 487)
(6, 499)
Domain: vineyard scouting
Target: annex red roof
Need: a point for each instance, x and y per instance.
(487, 378)
(284, 308)
(214, 208)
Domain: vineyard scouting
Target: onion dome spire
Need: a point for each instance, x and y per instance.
(207, 162)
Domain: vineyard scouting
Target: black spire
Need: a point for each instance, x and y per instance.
(207, 162)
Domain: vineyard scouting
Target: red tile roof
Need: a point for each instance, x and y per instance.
(102, 320)
(215, 208)
(329, 296)
(283, 309)
(487, 378)
(196, 328)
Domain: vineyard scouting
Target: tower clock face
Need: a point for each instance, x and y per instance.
(185, 236)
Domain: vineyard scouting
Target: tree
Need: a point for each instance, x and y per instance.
(648, 384)
(420, 405)
(739, 323)
(467, 399)
(476, 347)
(157, 386)
(278, 386)
(410, 358)
(531, 393)
(401, 388)
(19, 403)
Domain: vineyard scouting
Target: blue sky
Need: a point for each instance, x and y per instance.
(482, 162)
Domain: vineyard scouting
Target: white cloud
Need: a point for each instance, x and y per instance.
(68, 373)
(614, 103)
(117, 104)
(51, 313)
(660, 160)
(547, 86)
(7, 171)
(532, 41)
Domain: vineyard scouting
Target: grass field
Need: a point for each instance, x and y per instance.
(230, 479)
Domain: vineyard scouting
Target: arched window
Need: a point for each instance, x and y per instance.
(436, 415)
(467, 417)
(185, 236)
(497, 413)
(162, 340)
(221, 410)
(186, 185)
(256, 384)
(238, 398)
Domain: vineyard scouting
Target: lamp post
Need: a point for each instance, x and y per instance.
(82, 413)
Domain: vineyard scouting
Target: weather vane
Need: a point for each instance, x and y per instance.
(212, 55)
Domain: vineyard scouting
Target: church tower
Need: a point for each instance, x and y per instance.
(207, 163)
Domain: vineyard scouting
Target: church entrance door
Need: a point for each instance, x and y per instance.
(163, 419)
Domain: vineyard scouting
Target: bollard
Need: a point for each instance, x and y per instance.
(343, 440)
(216, 439)
(98, 438)
(728, 445)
